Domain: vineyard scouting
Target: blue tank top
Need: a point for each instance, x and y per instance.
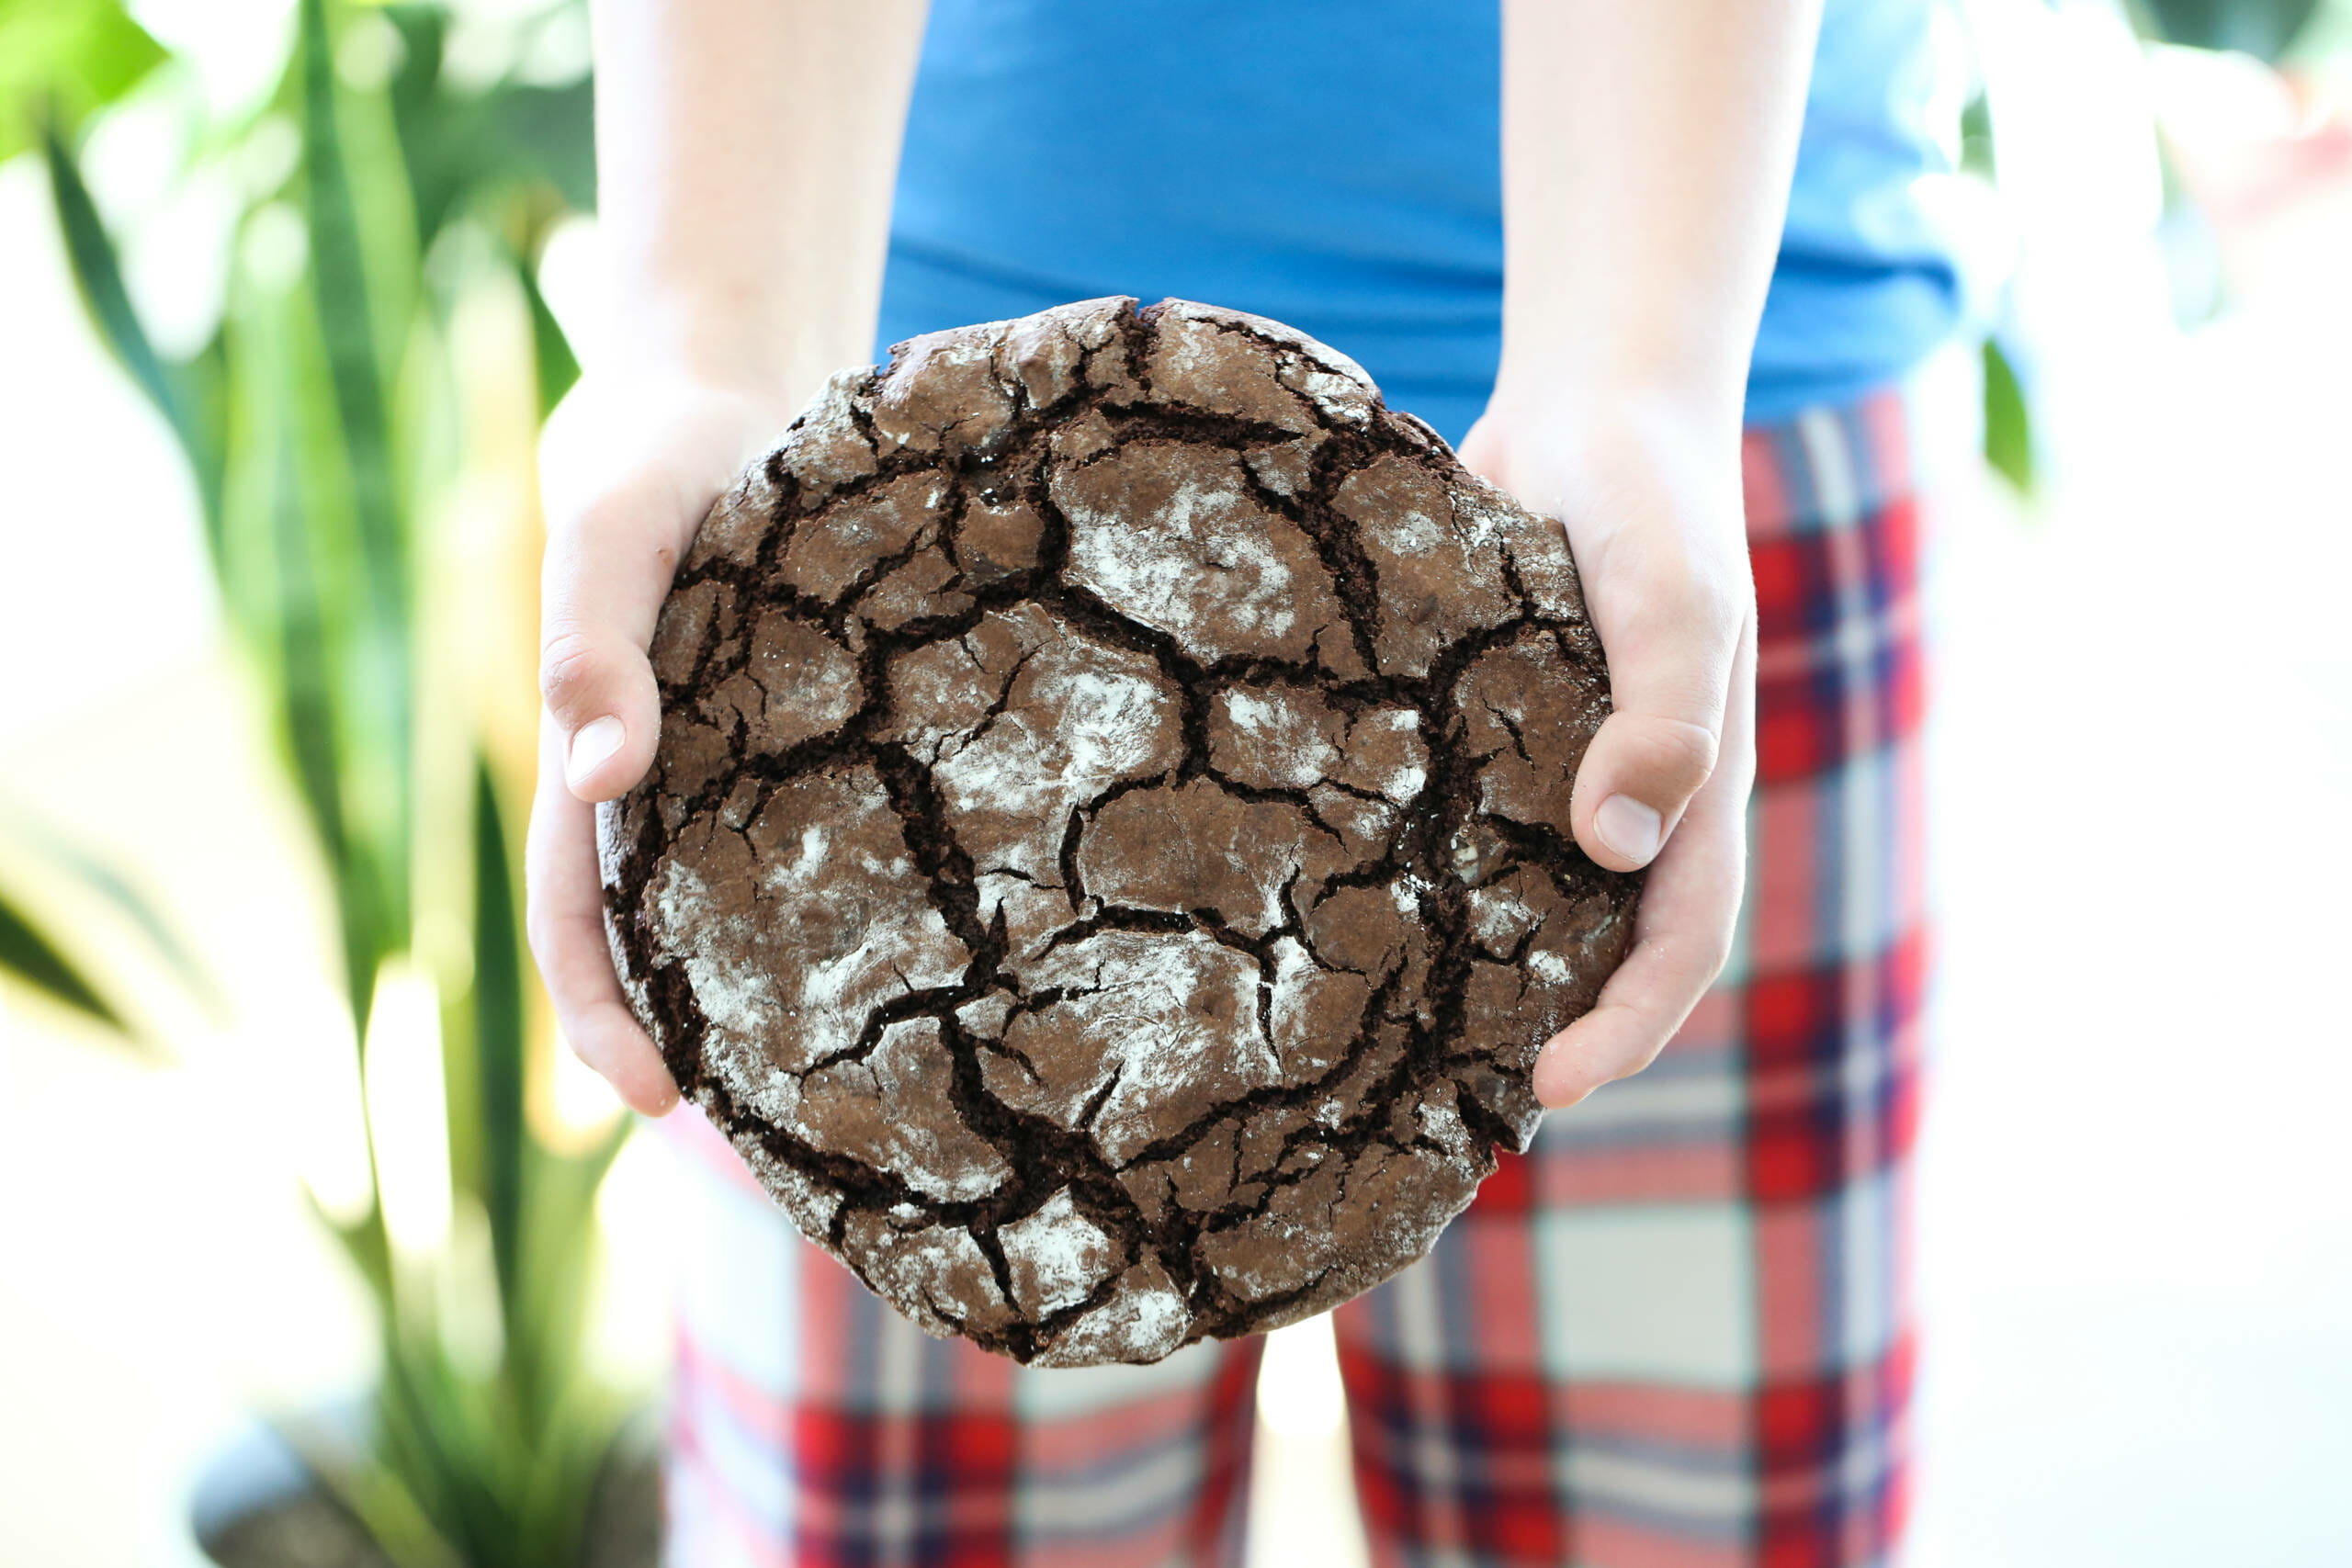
(1335, 164)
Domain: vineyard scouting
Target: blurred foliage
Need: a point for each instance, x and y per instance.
(328, 421)
(61, 59)
(2266, 30)
(2008, 421)
(40, 869)
(30, 957)
(2263, 29)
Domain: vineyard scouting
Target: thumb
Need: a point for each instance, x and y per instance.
(1670, 626)
(627, 488)
(601, 588)
(615, 537)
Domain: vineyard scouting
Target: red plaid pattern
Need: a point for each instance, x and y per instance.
(1675, 1334)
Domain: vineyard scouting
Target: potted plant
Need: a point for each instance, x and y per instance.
(359, 428)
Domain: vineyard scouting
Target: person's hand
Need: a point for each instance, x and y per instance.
(627, 478)
(1652, 505)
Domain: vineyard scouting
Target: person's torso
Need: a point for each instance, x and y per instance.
(1335, 164)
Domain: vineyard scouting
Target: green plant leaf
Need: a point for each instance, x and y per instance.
(310, 715)
(29, 956)
(558, 366)
(97, 274)
(568, 1460)
(371, 1491)
(192, 397)
(438, 1447)
(61, 59)
(203, 382)
(283, 511)
(88, 871)
(550, 132)
(2009, 420)
(499, 1043)
(559, 1241)
(346, 324)
(364, 1242)
(2263, 29)
(460, 145)
(346, 320)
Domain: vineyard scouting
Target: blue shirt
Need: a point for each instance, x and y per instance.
(1335, 164)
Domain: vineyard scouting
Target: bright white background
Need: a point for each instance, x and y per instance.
(2137, 1175)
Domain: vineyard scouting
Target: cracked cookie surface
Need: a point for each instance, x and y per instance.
(1107, 865)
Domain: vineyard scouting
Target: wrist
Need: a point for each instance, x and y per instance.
(1615, 436)
(1643, 404)
(755, 351)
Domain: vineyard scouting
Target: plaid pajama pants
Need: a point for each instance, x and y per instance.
(1675, 1334)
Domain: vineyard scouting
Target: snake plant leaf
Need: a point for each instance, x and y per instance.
(61, 59)
(558, 1259)
(126, 900)
(549, 131)
(421, 112)
(30, 957)
(453, 1435)
(578, 1446)
(311, 714)
(499, 1044)
(460, 144)
(191, 397)
(347, 327)
(88, 872)
(97, 274)
(372, 1493)
(364, 1242)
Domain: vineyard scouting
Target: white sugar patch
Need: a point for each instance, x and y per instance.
(1056, 1256)
(1406, 780)
(1142, 997)
(1293, 970)
(736, 998)
(1405, 893)
(1109, 724)
(1250, 713)
(1155, 573)
(1156, 1319)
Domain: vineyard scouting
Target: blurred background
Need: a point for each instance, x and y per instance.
(292, 1163)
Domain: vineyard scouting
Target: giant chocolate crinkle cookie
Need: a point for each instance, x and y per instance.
(1108, 864)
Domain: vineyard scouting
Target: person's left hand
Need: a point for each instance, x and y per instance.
(1651, 502)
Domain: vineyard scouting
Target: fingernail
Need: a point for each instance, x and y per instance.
(1629, 827)
(594, 741)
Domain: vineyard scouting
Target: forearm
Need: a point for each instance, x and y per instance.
(746, 153)
(1647, 149)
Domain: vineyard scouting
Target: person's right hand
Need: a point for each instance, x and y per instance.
(627, 475)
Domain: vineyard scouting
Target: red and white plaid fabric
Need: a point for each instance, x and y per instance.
(1676, 1335)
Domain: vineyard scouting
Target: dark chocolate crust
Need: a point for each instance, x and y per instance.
(1107, 866)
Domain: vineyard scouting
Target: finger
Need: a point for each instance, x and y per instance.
(1670, 619)
(566, 921)
(1683, 926)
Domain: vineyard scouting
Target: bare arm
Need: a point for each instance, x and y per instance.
(1647, 151)
(746, 151)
